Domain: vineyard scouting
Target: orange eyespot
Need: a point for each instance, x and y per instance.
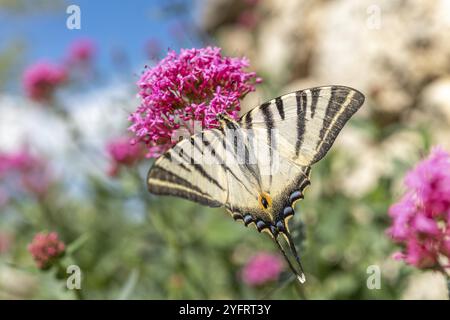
(264, 200)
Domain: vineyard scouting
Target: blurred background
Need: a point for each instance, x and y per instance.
(63, 169)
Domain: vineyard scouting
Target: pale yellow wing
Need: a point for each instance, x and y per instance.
(303, 125)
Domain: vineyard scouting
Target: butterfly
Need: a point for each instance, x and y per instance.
(258, 166)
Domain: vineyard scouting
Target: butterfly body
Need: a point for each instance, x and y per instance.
(259, 166)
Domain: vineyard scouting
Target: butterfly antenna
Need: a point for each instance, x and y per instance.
(287, 247)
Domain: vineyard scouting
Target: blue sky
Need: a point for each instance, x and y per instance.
(113, 25)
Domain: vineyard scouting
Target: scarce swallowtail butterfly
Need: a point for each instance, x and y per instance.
(258, 167)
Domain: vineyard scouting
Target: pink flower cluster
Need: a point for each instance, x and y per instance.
(262, 268)
(45, 248)
(22, 172)
(192, 86)
(421, 219)
(81, 51)
(123, 153)
(41, 79)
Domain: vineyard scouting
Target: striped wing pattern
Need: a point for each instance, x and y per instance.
(305, 122)
(295, 131)
(186, 172)
(267, 154)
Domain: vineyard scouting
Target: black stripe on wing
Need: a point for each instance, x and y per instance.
(163, 182)
(268, 118)
(198, 167)
(302, 101)
(334, 105)
(221, 161)
(248, 120)
(280, 107)
(162, 174)
(318, 115)
(244, 167)
(343, 103)
(315, 94)
(168, 157)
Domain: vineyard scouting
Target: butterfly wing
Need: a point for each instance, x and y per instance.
(287, 135)
(204, 168)
(187, 172)
(304, 123)
(291, 133)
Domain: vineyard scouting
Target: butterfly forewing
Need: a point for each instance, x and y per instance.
(305, 122)
(192, 171)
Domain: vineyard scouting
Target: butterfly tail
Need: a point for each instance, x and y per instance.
(287, 247)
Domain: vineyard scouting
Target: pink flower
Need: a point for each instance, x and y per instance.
(46, 248)
(123, 153)
(401, 213)
(262, 268)
(41, 79)
(430, 180)
(23, 172)
(81, 51)
(193, 86)
(420, 220)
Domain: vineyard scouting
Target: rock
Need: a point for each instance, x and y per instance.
(435, 99)
(426, 285)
